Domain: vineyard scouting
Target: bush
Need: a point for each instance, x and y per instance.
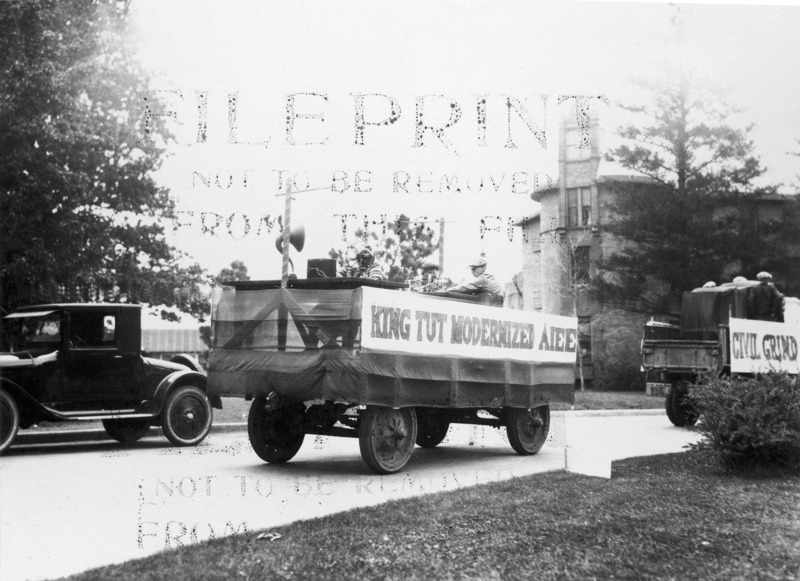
(750, 422)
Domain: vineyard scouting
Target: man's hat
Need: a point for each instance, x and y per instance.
(763, 275)
(477, 263)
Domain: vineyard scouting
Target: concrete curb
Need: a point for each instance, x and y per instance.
(30, 438)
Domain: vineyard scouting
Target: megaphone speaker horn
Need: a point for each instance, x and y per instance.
(297, 238)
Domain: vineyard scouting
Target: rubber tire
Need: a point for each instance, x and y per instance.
(180, 429)
(127, 431)
(9, 420)
(276, 435)
(431, 427)
(386, 437)
(527, 429)
(668, 406)
(684, 414)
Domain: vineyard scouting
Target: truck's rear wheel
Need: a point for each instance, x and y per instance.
(386, 437)
(683, 412)
(187, 415)
(127, 431)
(9, 420)
(668, 405)
(276, 433)
(432, 427)
(527, 429)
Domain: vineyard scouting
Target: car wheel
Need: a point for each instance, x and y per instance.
(127, 431)
(9, 420)
(186, 418)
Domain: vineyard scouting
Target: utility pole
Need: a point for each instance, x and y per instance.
(441, 245)
(287, 216)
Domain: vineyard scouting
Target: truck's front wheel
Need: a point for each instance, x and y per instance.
(386, 437)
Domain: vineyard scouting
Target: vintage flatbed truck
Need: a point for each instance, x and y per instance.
(714, 336)
(371, 360)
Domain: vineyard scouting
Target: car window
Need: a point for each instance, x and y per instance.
(92, 329)
(31, 332)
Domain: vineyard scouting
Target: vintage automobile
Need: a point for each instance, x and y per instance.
(63, 362)
(369, 359)
(714, 337)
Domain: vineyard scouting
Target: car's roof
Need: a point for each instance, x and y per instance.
(54, 306)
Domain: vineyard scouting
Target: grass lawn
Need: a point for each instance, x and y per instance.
(671, 516)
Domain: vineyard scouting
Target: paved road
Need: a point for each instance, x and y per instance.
(67, 508)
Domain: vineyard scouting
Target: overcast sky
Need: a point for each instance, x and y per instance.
(453, 51)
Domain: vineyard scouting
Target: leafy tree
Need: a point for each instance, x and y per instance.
(400, 252)
(237, 271)
(81, 211)
(687, 223)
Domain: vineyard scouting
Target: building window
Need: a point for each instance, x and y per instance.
(572, 143)
(579, 207)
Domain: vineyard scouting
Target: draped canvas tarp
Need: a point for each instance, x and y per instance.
(307, 343)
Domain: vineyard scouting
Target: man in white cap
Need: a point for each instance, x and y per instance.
(482, 284)
(764, 302)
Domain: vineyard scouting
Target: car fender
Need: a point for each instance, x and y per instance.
(23, 399)
(187, 360)
(179, 379)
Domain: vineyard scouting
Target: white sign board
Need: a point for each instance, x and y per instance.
(415, 323)
(762, 346)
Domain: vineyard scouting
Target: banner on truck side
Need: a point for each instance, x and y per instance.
(761, 346)
(415, 323)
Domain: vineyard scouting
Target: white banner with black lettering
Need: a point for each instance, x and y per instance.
(761, 346)
(416, 323)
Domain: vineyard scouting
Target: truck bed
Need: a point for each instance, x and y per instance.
(681, 355)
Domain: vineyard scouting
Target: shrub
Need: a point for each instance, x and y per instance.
(750, 422)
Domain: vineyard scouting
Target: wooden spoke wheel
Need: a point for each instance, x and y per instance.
(127, 431)
(527, 429)
(431, 427)
(276, 433)
(386, 437)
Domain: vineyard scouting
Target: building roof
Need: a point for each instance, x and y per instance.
(178, 340)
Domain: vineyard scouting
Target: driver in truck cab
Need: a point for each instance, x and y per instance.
(765, 302)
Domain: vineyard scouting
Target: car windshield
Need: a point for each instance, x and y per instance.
(23, 332)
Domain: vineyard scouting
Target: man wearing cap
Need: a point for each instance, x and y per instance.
(364, 266)
(764, 302)
(482, 284)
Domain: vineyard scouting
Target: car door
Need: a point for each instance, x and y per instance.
(100, 367)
